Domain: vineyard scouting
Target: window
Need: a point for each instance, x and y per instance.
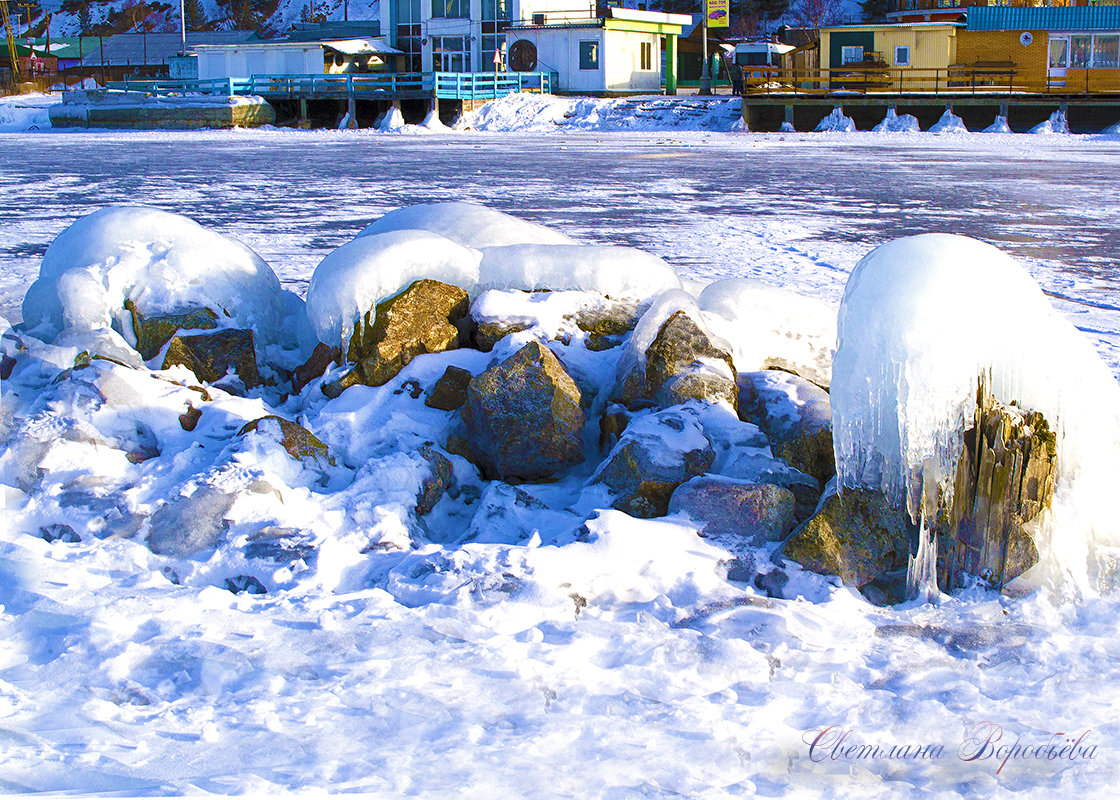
(451, 54)
(647, 56)
(1106, 51)
(495, 21)
(1059, 53)
(408, 33)
(851, 54)
(589, 55)
(1080, 50)
(902, 56)
(452, 9)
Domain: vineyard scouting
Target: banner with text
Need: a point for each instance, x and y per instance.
(719, 13)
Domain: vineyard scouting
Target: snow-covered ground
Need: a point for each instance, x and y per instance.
(617, 663)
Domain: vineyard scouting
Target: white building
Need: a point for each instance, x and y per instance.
(246, 59)
(464, 35)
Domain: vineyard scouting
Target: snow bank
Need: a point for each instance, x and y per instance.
(921, 318)
(163, 262)
(949, 123)
(26, 112)
(836, 122)
(999, 126)
(371, 268)
(892, 123)
(770, 326)
(525, 112)
(617, 272)
(468, 224)
(1056, 124)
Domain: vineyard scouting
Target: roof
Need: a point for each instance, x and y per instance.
(153, 48)
(334, 29)
(1057, 18)
(361, 47)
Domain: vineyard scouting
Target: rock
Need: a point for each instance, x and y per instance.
(523, 416)
(611, 425)
(757, 512)
(57, 532)
(186, 525)
(450, 391)
(335, 388)
(654, 456)
(857, 535)
(795, 414)
(487, 334)
(154, 331)
(606, 322)
(282, 545)
(245, 584)
(315, 366)
(421, 319)
(210, 356)
(681, 346)
(700, 381)
(189, 420)
(741, 569)
(772, 582)
(437, 482)
(297, 440)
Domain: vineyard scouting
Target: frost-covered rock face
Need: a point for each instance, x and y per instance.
(759, 513)
(523, 416)
(468, 224)
(162, 263)
(796, 416)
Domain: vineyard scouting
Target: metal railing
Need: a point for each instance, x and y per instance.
(872, 79)
(442, 85)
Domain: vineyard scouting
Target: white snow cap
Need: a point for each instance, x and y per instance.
(921, 318)
(617, 272)
(161, 261)
(468, 224)
(360, 274)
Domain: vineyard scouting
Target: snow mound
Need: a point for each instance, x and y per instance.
(892, 123)
(1056, 124)
(617, 272)
(999, 126)
(921, 319)
(525, 112)
(162, 262)
(949, 123)
(768, 326)
(25, 112)
(468, 224)
(836, 122)
(373, 267)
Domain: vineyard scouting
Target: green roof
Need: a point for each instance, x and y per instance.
(1058, 18)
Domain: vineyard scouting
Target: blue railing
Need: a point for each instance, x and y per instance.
(442, 85)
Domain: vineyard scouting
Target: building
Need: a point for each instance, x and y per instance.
(955, 10)
(282, 57)
(1072, 49)
(911, 57)
(619, 53)
(146, 55)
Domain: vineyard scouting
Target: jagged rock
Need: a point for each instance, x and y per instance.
(450, 391)
(297, 440)
(757, 512)
(611, 425)
(153, 332)
(59, 532)
(795, 414)
(421, 319)
(186, 525)
(700, 381)
(857, 535)
(606, 322)
(315, 366)
(189, 419)
(210, 356)
(437, 482)
(655, 456)
(245, 584)
(523, 416)
(488, 333)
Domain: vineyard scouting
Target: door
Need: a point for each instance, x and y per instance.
(1059, 61)
(451, 54)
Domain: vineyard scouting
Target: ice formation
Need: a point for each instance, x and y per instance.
(163, 262)
(921, 319)
(770, 326)
(999, 126)
(468, 224)
(949, 123)
(837, 122)
(893, 122)
(363, 272)
(1055, 124)
(617, 272)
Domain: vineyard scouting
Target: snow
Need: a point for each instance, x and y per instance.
(25, 112)
(528, 112)
(1056, 124)
(617, 272)
(469, 224)
(837, 122)
(949, 123)
(894, 123)
(922, 318)
(162, 262)
(999, 126)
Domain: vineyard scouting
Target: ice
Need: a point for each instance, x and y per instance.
(922, 318)
(468, 224)
(772, 326)
(894, 123)
(161, 261)
(617, 272)
(837, 122)
(999, 126)
(393, 119)
(27, 112)
(949, 123)
(541, 113)
(1055, 124)
(375, 266)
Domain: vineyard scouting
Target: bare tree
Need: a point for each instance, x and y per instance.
(817, 14)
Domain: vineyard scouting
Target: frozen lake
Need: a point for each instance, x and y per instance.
(797, 210)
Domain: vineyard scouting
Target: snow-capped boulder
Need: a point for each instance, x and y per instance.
(212, 356)
(469, 224)
(161, 263)
(297, 440)
(524, 418)
(758, 513)
(612, 271)
(154, 331)
(796, 416)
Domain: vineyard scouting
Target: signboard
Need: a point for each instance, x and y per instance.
(719, 13)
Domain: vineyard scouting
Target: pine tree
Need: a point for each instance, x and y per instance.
(85, 19)
(875, 10)
(196, 15)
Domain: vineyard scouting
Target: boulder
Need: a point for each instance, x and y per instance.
(210, 356)
(315, 366)
(488, 333)
(606, 321)
(153, 332)
(436, 483)
(795, 414)
(450, 391)
(421, 319)
(297, 440)
(523, 416)
(857, 535)
(654, 456)
(758, 513)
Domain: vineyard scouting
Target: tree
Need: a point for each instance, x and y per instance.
(816, 14)
(196, 15)
(875, 10)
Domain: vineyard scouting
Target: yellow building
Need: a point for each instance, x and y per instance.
(911, 57)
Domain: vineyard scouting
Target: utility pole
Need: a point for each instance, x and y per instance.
(183, 23)
(11, 40)
(705, 73)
